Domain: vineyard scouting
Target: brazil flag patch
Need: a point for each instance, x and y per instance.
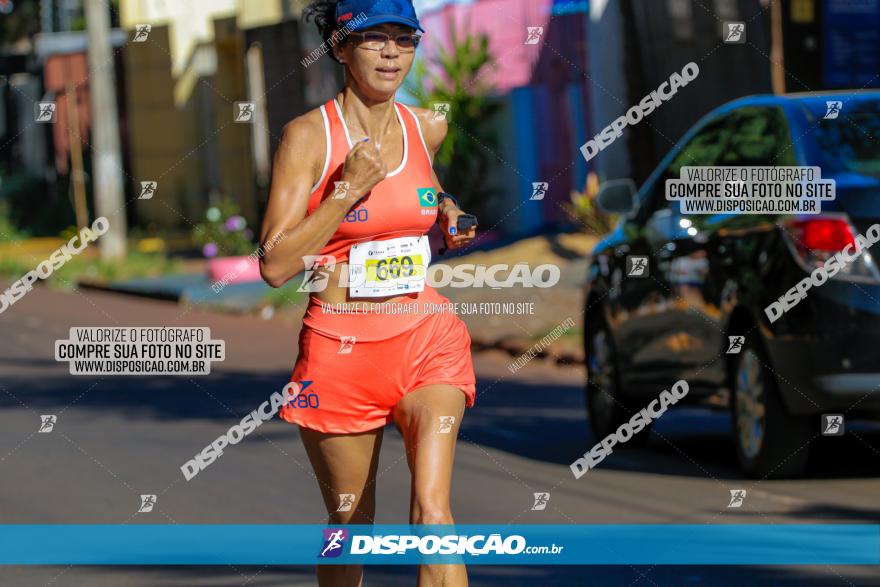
(427, 197)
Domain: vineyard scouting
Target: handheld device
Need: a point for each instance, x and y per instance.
(465, 222)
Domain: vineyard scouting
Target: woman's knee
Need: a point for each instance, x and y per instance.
(342, 518)
(359, 512)
(431, 512)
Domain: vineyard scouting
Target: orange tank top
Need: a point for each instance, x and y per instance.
(402, 204)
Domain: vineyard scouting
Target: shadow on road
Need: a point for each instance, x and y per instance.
(479, 576)
(549, 423)
(545, 422)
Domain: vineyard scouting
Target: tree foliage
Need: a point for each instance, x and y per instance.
(457, 76)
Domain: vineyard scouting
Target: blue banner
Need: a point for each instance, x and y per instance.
(569, 7)
(851, 43)
(630, 544)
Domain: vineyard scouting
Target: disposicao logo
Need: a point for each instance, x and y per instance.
(334, 539)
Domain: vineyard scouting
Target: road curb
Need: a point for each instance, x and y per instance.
(518, 347)
(109, 287)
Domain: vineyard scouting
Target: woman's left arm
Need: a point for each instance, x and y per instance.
(434, 131)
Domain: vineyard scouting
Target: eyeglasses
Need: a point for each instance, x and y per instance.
(376, 41)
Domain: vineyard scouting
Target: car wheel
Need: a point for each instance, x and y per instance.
(606, 402)
(770, 442)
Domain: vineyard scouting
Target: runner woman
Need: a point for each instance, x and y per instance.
(353, 185)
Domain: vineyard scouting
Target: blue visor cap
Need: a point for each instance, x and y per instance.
(357, 15)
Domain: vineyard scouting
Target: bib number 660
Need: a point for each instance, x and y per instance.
(394, 267)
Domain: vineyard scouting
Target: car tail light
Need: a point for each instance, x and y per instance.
(822, 234)
(815, 240)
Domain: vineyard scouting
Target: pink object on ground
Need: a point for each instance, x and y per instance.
(234, 269)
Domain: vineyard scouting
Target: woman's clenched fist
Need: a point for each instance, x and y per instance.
(362, 170)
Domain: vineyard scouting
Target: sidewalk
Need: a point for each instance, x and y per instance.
(537, 311)
(553, 305)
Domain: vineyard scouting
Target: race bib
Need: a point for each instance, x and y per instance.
(388, 268)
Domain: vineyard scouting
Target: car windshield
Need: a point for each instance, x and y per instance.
(851, 142)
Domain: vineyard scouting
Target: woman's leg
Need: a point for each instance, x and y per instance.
(429, 436)
(345, 464)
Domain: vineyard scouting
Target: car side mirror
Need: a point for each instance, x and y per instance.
(617, 196)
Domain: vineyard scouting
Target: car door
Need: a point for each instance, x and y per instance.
(662, 336)
(704, 253)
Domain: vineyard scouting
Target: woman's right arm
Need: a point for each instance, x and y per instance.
(294, 171)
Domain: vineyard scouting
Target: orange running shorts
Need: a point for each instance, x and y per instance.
(354, 366)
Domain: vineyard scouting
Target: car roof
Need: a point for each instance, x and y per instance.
(808, 99)
(790, 103)
(794, 105)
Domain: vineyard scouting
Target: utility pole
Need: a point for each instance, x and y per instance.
(46, 16)
(106, 157)
(777, 51)
(76, 159)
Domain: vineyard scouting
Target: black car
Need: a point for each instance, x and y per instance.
(669, 295)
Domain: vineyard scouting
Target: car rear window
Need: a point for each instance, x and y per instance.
(851, 142)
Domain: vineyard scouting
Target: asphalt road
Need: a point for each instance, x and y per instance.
(119, 437)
